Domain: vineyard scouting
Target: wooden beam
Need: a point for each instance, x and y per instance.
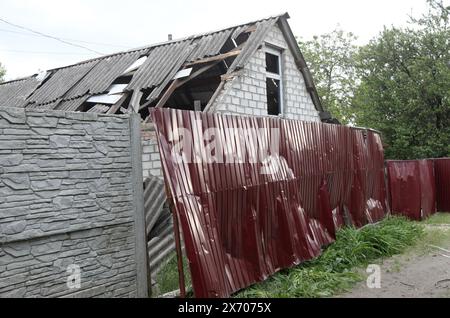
(125, 110)
(220, 57)
(197, 73)
(167, 93)
(250, 29)
(114, 108)
(180, 82)
(230, 76)
(135, 100)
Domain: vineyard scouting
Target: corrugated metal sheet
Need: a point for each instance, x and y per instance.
(51, 105)
(161, 243)
(164, 60)
(161, 61)
(255, 40)
(59, 82)
(442, 171)
(412, 188)
(427, 188)
(103, 74)
(178, 63)
(209, 45)
(13, 94)
(239, 225)
(71, 105)
(159, 225)
(154, 199)
(99, 109)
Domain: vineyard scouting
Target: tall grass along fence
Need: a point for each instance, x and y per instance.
(256, 195)
(418, 188)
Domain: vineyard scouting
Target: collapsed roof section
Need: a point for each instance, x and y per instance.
(180, 73)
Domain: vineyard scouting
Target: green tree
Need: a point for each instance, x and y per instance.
(405, 86)
(2, 73)
(331, 59)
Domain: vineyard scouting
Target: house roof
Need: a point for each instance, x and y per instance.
(68, 88)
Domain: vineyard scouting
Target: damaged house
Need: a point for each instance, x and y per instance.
(252, 69)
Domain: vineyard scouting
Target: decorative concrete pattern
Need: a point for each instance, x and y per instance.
(67, 197)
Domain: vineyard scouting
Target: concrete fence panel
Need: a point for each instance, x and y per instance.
(71, 205)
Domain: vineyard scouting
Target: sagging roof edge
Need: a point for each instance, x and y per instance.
(300, 60)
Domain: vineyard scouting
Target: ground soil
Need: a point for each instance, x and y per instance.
(423, 272)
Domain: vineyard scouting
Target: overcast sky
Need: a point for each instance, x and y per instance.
(134, 23)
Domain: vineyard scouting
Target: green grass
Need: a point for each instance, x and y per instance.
(434, 236)
(337, 269)
(435, 233)
(439, 218)
(167, 278)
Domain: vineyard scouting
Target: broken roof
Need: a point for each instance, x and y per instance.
(103, 82)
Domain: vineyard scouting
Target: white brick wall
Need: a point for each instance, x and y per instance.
(246, 94)
(151, 163)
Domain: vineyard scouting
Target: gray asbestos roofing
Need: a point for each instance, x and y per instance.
(67, 88)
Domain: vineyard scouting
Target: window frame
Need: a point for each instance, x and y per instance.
(278, 52)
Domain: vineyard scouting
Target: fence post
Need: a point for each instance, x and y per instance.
(142, 270)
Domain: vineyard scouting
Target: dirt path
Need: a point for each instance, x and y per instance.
(423, 272)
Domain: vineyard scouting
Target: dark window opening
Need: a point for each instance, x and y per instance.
(198, 90)
(273, 97)
(123, 80)
(272, 63)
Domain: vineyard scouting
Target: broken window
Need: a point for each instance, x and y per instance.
(273, 97)
(274, 85)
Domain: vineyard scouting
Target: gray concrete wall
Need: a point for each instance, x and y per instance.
(69, 195)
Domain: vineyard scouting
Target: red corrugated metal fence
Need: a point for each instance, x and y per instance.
(412, 188)
(427, 188)
(442, 171)
(244, 219)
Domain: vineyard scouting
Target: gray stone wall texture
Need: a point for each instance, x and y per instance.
(67, 198)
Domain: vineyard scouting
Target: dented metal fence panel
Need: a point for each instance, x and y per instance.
(442, 171)
(255, 195)
(412, 188)
(404, 188)
(427, 188)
